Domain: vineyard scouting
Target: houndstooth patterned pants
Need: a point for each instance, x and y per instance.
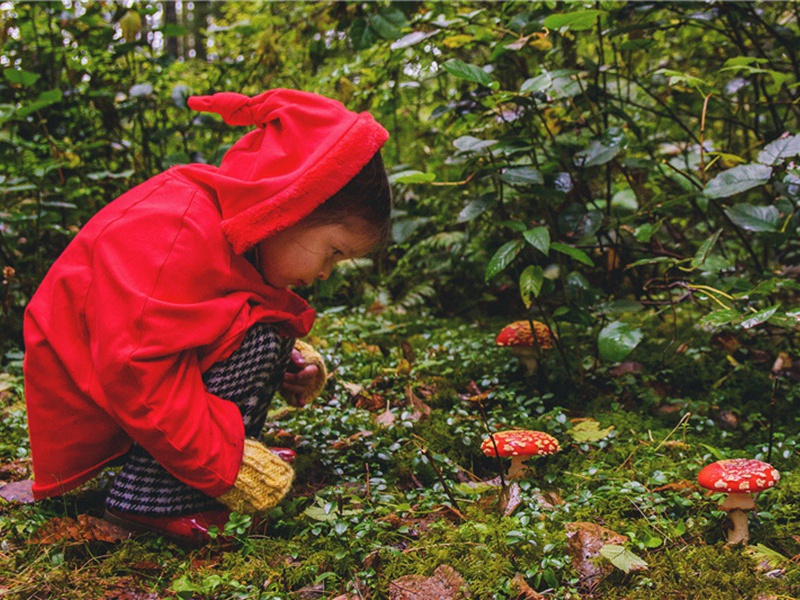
(249, 378)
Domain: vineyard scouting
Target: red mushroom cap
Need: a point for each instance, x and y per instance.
(520, 443)
(740, 475)
(519, 333)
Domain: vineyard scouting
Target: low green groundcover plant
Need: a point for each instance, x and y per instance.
(391, 482)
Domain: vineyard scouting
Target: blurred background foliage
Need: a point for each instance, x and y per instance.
(592, 165)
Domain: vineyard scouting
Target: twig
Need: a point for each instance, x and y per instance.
(426, 453)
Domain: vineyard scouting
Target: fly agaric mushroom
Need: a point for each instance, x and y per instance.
(738, 477)
(519, 445)
(525, 345)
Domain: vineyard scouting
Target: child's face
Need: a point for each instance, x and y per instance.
(297, 255)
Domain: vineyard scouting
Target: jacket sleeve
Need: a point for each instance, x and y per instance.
(160, 291)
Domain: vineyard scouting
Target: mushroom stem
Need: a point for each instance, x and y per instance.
(740, 500)
(526, 355)
(517, 467)
(737, 504)
(739, 533)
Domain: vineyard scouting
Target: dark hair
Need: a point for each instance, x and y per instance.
(366, 196)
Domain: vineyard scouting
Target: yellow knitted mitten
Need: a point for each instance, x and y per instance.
(263, 480)
(312, 357)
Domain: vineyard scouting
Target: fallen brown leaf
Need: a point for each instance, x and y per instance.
(349, 440)
(370, 402)
(386, 418)
(445, 584)
(513, 498)
(14, 470)
(85, 529)
(584, 541)
(676, 486)
(421, 410)
(522, 590)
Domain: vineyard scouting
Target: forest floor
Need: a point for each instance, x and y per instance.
(394, 499)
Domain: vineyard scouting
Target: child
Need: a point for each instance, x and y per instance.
(162, 332)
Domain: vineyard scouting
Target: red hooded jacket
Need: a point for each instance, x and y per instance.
(155, 289)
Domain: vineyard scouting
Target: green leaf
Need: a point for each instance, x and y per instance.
(388, 23)
(576, 21)
(412, 177)
(20, 77)
(596, 154)
(474, 489)
(775, 152)
(622, 558)
(704, 251)
(540, 83)
(653, 261)
(762, 553)
(362, 34)
(589, 431)
(415, 37)
(530, 283)
(470, 144)
(737, 180)
(473, 209)
(503, 257)
(720, 317)
(44, 100)
(539, 238)
(466, 71)
(755, 218)
(761, 316)
(522, 176)
(618, 339)
(678, 77)
(644, 232)
(575, 253)
(100, 175)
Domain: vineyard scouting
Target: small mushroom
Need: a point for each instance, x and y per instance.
(519, 445)
(739, 478)
(525, 345)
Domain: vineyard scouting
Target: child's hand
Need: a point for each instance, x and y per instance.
(305, 377)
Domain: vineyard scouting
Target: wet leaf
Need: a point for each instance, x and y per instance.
(503, 257)
(530, 283)
(775, 152)
(755, 218)
(616, 340)
(575, 253)
(539, 238)
(737, 180)
(759, 317)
